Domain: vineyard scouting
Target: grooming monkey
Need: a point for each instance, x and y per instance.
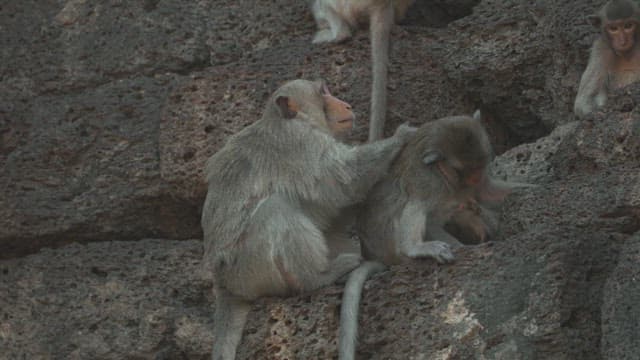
(276, 191)
(440, 176)
(337, 18)
(615, 55)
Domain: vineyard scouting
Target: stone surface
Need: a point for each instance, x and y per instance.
(109, 109)
(620, 318)
(110, 300)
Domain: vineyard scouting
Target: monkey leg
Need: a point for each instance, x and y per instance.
(338, 29)
(291, 249)
(330, 35)
(340, 235)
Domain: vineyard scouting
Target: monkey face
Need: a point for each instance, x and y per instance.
(340, 117)
(318, 106)
(473, 176)
(621, 34)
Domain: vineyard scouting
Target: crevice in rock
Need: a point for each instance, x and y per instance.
(163, 217)
(505, 133)
(438, 13)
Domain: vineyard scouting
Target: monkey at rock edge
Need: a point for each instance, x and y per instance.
(439, 178)
(272, 217)
(615, 55)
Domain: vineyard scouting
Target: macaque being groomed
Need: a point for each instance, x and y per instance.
(337, 18)
(439, 177)
(276, 192)
(615, 55)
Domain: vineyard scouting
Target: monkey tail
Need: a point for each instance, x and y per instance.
(230, 317)
(380, 25)
(348, 334)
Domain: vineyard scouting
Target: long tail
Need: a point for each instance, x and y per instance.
(348, 334)
(380, 25)
(230, 317)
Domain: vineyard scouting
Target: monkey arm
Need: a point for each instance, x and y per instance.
(592, 92)
(370, 162)
(411, 230)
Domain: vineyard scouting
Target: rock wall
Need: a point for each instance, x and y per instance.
(108, 110)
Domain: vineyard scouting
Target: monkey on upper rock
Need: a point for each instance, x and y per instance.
(336, 19)
(615, 55)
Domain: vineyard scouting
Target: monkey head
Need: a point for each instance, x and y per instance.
(312, 101)
(460, 148)
(619, 22)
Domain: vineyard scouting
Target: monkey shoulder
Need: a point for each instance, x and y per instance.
(601, 53)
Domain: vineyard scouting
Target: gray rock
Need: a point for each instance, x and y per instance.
(620, 317)
(108, 111)
(85, 167)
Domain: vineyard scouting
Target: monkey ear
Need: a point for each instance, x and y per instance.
(477, 116)
(594, 20)
(432, 157)
(288, 108)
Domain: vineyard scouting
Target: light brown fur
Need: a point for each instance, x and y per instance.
(614, 61)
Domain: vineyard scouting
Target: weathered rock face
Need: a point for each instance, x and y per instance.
(108, 111)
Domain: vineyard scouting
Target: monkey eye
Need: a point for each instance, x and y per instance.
(613, 29)
(629, 26)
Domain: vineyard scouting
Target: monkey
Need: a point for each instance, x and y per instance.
(337, 18)
(440, 176)
(275, 192)
(614, 61)
(471, 222)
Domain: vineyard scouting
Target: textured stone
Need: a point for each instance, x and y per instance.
(109, 109)
(620, 318)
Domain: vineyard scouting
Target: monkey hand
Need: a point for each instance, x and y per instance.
(439, 250)
(404, 132)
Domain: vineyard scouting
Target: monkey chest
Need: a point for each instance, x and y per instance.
(625, 73)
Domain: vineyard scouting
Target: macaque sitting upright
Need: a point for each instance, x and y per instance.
(615, 56)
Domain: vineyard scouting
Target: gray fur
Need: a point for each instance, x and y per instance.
(276, 189)
(405, 213)
(594, 83)
(600, 76)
